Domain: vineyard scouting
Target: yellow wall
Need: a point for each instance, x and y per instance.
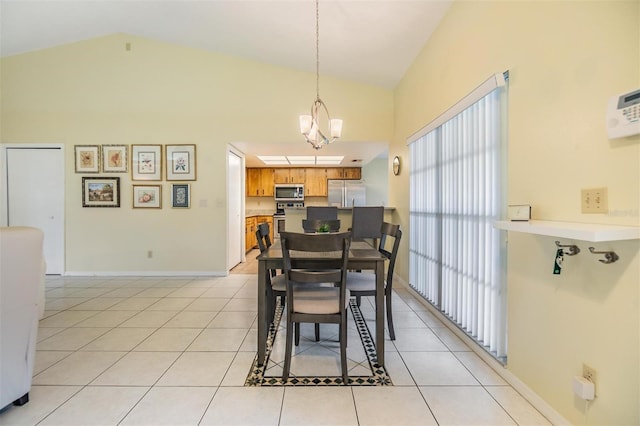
(565, 60)
(98, 92)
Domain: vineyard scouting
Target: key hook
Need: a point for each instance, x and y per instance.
(572, 249)
(609, 256)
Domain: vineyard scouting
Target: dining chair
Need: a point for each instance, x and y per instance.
(315, 225)
(308, 299)
(322, 212)
(366, 223)
(277, 281)
(364, 284)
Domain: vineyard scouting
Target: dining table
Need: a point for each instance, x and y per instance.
(362, 256)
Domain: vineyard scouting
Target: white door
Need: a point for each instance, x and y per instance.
(35, 196)
(235, 197)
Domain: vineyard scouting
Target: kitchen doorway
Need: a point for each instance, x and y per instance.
(33, 195)
(235, 203)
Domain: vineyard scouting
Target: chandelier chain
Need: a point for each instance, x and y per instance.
(310, 124)
(317, 51)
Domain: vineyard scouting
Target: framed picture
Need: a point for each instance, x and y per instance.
(181, 162)
(87, 158)
(114, 158)
(180, 195)
(146, 162)
(147, 196)
(100, 191)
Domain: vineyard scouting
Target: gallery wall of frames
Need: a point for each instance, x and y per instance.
(145, 164)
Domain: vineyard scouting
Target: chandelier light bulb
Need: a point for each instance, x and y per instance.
(336, 128)
(305, 124)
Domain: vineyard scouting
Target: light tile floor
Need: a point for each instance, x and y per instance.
(177, 351)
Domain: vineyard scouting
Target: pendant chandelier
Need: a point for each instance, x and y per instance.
(311, 125)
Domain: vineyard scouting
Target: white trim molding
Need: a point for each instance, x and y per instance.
(493, 82)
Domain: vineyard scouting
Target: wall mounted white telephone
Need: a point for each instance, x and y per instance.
(623, 115)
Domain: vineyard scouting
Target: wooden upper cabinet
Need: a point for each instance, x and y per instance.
(289, 175)
(334, 173)
(253, 183)
(280, 175)
(298, 175)
(352, 173)
(315, 184)
(344, 173)
(260, 182)
(267, 180)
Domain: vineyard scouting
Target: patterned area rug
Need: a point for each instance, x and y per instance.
(260, 375)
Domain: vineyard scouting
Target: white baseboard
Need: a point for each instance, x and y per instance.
(534, 399)
(145, 274)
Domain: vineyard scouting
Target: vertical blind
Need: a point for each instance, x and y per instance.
(456, 257)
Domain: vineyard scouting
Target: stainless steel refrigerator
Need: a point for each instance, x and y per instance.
(347, 193)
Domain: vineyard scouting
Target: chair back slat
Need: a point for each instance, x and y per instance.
(393, 231)
(367, 222)
(335, 272)
(263, 236)
(334, 276)
(264, 241)
(322, 213)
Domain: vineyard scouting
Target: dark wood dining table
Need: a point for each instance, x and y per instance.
(362, 256)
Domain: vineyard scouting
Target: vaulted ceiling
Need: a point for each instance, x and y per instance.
(370, 41)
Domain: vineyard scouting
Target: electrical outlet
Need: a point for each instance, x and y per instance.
(595, 200)
(589, 373)
(149, 254)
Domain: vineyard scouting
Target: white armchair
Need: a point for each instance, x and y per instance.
(22, 272)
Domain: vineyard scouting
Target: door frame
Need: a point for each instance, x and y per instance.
(233, 150)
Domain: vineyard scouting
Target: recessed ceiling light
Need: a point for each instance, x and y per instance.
(273, 160)
(300, 160)
(329, 159)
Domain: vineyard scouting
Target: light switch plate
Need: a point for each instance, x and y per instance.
(519, 212)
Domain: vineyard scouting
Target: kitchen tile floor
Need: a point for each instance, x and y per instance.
(251, 265)
(177, 351)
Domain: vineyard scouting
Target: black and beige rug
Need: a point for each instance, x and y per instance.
(270, 375)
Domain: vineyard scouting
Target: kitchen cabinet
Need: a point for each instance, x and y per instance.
(260, 182)
(251, 226)
(315, 184)
(344, 173)
(289, 175)
(264, 219)
(352, 173)
(250, 233)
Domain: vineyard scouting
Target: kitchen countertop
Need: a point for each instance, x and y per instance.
(264, 212)
(294, 216)
(386, 209)
(251, 213)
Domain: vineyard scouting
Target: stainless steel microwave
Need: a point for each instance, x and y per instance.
(289, 192)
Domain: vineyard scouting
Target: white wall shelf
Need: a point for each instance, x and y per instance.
(576, 231)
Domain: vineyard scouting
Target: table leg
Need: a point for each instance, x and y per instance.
(380, 311)
(263, 322)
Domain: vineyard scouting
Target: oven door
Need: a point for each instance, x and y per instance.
(278, 225)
